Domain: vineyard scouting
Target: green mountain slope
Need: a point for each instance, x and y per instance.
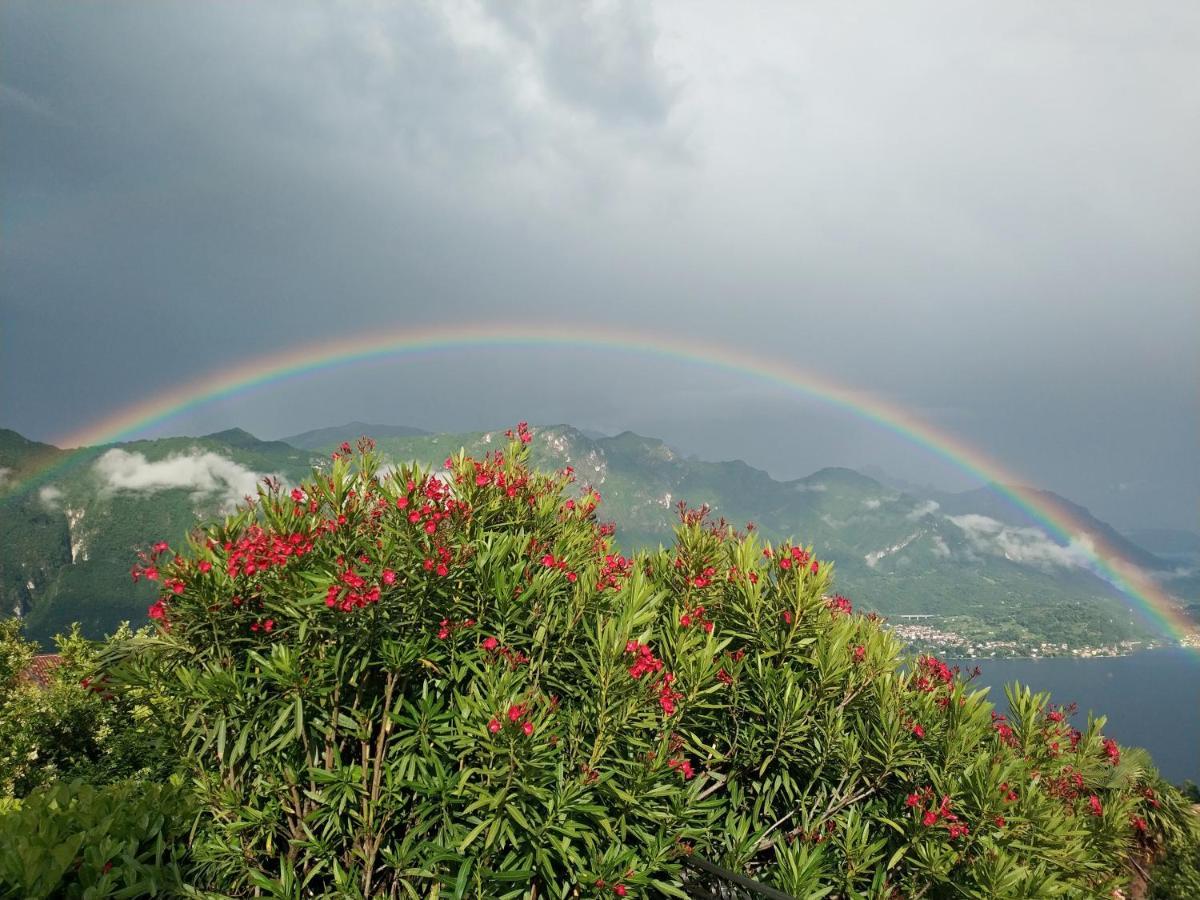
(69, 543)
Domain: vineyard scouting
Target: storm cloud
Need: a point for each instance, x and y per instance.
(985, 215)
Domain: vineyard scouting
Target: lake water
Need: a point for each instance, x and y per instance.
(1151, 699)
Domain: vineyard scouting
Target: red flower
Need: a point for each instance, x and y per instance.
(515, 712)
(929, 819)
(389, 577)
(1094, 803)
(490, 643)
(912, 800)
(527, 727)
(571, 576)
(298, 495)
(269, 624)
(619, 890)
(787, 616)
(494, 725)
(158, 610)
(918, 732)
(860, 653)
(204, 565)
(1111, 750)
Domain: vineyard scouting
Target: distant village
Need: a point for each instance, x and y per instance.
(922, 634)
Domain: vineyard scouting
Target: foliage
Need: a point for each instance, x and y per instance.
(408, 684)
(67, 559)
(75, 725)
(75, 840)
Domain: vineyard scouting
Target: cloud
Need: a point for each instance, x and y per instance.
(205, 474)
(1023, 545)
(804, 487)
(5, 472)
(927, 507)
(51, 497)
(872, 503)
(939, 547)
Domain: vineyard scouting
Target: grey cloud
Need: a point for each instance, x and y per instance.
(952, 208)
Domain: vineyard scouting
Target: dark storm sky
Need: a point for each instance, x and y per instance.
(986, 213)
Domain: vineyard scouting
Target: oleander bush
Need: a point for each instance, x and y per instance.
(401, 683)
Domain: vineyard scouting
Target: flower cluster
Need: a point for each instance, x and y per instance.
(932, 675)
(839, 605)
(522, 433)
(491, 472)
(615, 570)
(436, 503)
(645, 660)
(696, 617)
(931, 812)
(447, 627)
(798, 557)
(440, 564)
(516, 718)
(683, 766)
(496, 652)
(1112, 751)
(549, 561)
(1003, 729)
(258, 550)
(351, 590)
(667, 697)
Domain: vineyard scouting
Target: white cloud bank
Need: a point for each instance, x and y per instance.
(203, 473)
(1023, 545)
(50, 496)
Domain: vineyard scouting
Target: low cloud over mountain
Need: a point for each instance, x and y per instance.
(1019, 544)
(203, 473)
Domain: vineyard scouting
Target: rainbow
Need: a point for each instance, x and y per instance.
(1104, 559)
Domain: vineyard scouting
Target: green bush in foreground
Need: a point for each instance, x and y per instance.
(74, 840)
(418, 685)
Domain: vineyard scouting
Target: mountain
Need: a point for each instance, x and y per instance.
(978, 567)
(322, 438)
(1168, 543)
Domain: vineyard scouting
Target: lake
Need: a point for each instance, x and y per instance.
(1151, 699)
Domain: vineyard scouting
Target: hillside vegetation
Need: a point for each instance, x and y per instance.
(455, 684)
(70, 539)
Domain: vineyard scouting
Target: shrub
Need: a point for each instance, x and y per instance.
(75, 725)
(72, 839)
(408, 683)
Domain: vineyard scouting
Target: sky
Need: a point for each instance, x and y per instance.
(986, 214)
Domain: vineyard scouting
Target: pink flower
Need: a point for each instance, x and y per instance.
(204, 565)
(389, 577)
(918, 732)
(490, 643)
(1094, 803)
(494, 725)
(527, 727)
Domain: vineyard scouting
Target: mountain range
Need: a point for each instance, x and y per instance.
(971, 563)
